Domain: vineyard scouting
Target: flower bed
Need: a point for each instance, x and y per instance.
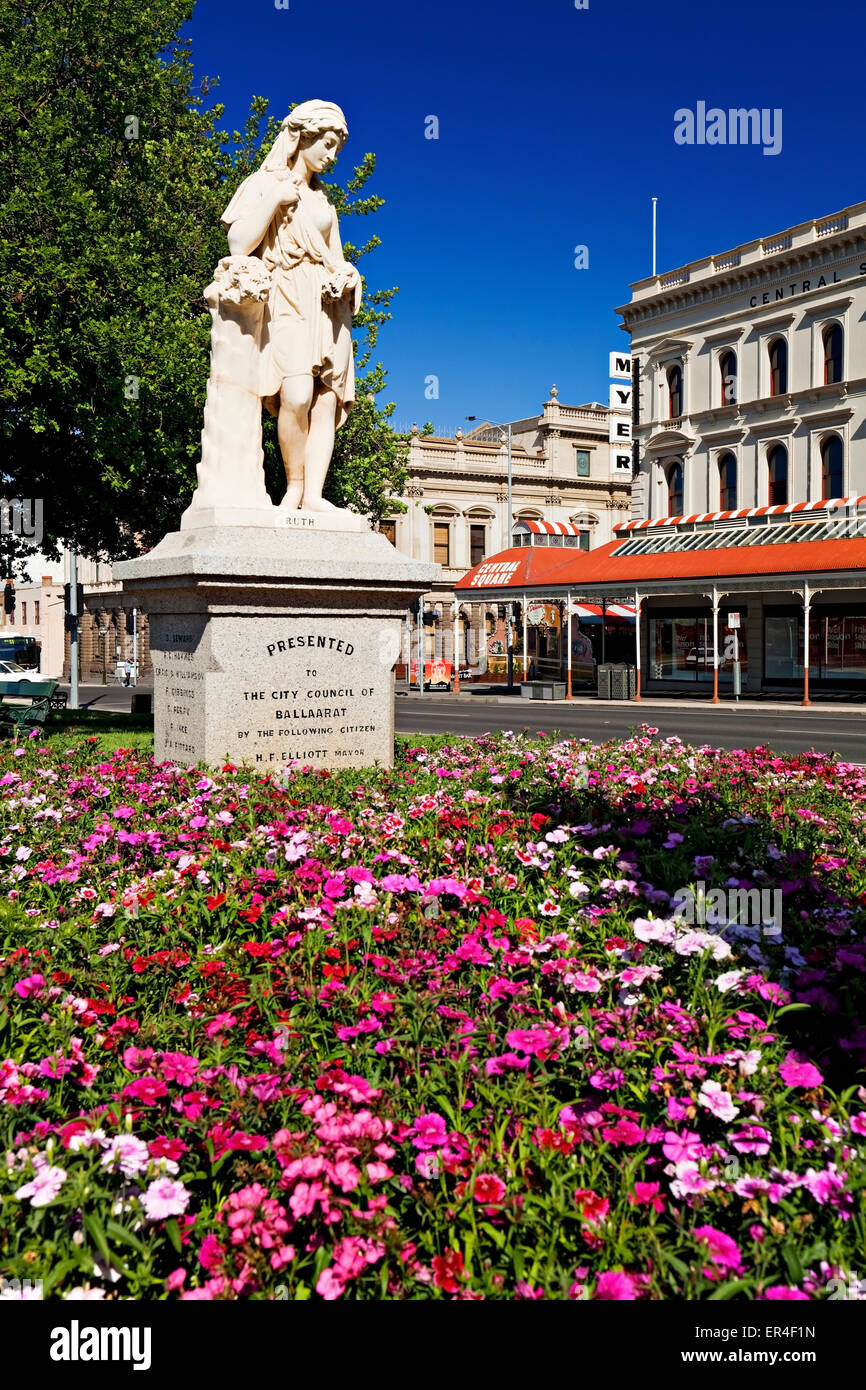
(431, 1032)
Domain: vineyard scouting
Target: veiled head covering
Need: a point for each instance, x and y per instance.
(310, 118)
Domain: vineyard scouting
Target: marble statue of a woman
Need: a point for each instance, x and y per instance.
(281, 306)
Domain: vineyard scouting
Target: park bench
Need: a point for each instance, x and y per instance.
(20, 718)
(22, 711)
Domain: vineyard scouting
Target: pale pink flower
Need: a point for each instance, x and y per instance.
(164, 1198)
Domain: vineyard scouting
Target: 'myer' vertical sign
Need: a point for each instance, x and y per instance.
(620, 414)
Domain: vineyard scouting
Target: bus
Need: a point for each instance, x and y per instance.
(25, 651)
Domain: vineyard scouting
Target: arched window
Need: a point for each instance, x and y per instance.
(675, 393)
(728, 483)
(778, 367)
(832, 470)
(728, 369)
(675, 489)
(777, 464)
(833, 341)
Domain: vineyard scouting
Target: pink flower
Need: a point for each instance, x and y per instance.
(219, 1024)
(487, 1187)
(797, 1070)
(858, 1123)
(176, 1066)
(33, 984)
(717, 1100)
(751, 1139)
(164, 1198)
(175, 1280)
(723, 1251)
(616, 1285)
(647, 1193)
(431, 1131)
(779, 1293)
(45, 1185)
(683, 1147)
(623, 1132)
(147, 1090)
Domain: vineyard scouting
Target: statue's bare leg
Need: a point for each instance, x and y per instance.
(293, 429)
(320, 447)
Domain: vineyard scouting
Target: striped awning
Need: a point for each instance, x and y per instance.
(613, 612)
(547, 528)
(783, 509)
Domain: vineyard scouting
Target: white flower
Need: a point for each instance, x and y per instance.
(718, 1101)
(128, 1154)
(728, 980)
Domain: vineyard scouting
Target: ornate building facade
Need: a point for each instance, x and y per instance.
(456, 503)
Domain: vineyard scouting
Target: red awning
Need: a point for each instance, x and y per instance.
(540, 568)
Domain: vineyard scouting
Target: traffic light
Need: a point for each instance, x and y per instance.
(67, 596)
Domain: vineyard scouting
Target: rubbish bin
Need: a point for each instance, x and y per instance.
(142, 702)
(604, 682)
(622, 682)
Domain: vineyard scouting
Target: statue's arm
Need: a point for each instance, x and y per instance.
(265, 197)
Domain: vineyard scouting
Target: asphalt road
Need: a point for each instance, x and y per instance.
(788, 730)
(785, 731)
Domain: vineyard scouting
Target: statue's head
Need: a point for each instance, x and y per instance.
(316, 130)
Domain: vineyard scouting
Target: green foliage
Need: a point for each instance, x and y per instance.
(109, 231)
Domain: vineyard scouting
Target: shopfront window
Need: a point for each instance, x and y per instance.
(837, 647)
(681, 648)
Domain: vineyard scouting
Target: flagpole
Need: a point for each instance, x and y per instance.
(655, 201)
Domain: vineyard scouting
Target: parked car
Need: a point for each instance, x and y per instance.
(18, 680)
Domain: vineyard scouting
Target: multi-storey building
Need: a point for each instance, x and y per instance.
(750, 373)
(456, 503)
(746, 550)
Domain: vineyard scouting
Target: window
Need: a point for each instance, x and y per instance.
(675, 489)
(777, 463)
(778, 367)
(36, 611)
(477, 544)
(582, 458)
(442, 543)
(832, 471)
(832, 358)
(675, 393)
(728, 369)
(584, 540)
(24, 614)
(389, 531)
(728, 483)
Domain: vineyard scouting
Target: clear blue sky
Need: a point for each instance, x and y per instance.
(556, 127)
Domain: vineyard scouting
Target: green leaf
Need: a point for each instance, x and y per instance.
(725, 1291)
(173, 1233)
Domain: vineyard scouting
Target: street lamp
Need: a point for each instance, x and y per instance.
(510, 522)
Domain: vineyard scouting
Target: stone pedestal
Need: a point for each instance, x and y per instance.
(274, 644)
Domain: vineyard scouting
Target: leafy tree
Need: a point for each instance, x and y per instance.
(113, 176)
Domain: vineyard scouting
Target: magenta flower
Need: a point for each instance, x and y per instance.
(797, 1070)
(721, 1250)
(33, 984)
(219, 1024)
(780, 1293)
(617, 1286)
(431, 1132)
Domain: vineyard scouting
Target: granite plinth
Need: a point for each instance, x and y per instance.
(279, 518)
(274, 648)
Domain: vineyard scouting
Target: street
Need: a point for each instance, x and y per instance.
(787, 730)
